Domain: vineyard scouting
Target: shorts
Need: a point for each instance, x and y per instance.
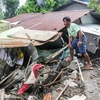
(82, 48)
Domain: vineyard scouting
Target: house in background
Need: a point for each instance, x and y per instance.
(73, 5)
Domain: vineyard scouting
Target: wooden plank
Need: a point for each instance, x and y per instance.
(2, 93)
(34, 35)
(63, 89)
(80, 71)
(52, 56)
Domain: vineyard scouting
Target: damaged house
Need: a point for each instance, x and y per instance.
(44, 22)
(33, 50)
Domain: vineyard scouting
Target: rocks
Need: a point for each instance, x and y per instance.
(32, 97)
(74, 74)
(59, 89)
(12, 97)
(73, 66)
(54, 94)
(70, 92)
(73, 84)
(99, 69)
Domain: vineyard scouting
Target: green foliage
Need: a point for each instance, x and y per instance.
(50, 4)
(60, 3)
(11, 7)
(32, 6)
(22, 9)
(95, 4)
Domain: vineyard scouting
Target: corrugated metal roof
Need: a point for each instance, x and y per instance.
(48, 21)
(23, 17)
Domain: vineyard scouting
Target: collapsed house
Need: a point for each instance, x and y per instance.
(33, 59)
(17, 52)
(53, 22)
(25, 54)
(22, 68)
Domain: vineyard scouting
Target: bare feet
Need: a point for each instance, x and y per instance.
(88, 67)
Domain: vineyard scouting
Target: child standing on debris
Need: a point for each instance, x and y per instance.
(79, 41)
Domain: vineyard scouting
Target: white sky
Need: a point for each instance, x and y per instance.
(22, 2)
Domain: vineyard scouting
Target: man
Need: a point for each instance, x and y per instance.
(79, 41)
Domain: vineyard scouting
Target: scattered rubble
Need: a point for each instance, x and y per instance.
(48, 83)
(77, 97)
(25, 74)
(39, 78)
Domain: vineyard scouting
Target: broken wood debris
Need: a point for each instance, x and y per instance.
(2, 93)
(29, 38)
(80, 71)
(51, 57)
(9, 76)
(45, 80)
(63, 89)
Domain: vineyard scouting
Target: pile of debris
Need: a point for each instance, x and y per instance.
(37, 80)
(35, 73)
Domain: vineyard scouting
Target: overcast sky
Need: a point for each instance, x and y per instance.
(22, 2)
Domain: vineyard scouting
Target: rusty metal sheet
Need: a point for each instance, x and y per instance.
(49, 21)
(24, 17)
